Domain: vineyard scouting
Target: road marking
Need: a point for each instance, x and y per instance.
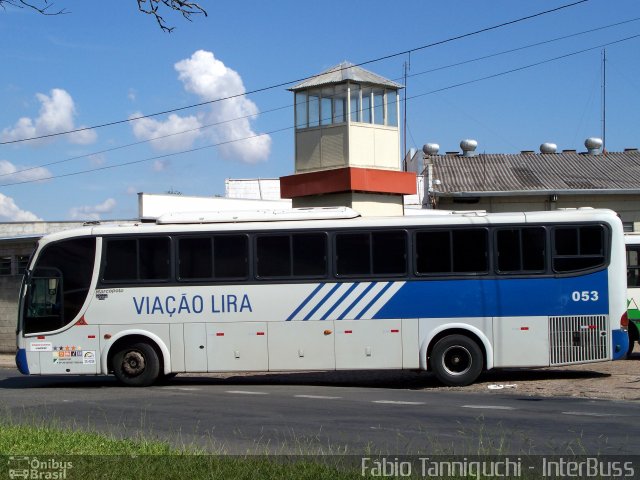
(398, 402)
(182, 389)
(319, 397)
(593, 414)
(489, 407)
(246, 392)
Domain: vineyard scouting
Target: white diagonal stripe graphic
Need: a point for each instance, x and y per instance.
(384, 298)
(364, 301)
(313, 302)
(346, 303)
(331, 301)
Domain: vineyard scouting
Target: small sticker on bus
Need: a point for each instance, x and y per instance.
(41, 347)
(89, 357)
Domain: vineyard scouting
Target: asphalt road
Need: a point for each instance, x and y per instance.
(382, 413)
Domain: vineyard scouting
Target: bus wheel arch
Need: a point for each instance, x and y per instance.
(136, 360)
(456, 356)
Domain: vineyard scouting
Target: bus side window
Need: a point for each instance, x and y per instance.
(464, 250)
(633, 268)
(521, 250)
(578, 248)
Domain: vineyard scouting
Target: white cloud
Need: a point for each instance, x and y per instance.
(57, 113)
(149, 128)
(10, 212)
(97, 160)
(160, 165)
(92, 212)
(209, 78)
(9, 173)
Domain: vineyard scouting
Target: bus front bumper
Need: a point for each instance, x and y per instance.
(620, 340)
(21, 361)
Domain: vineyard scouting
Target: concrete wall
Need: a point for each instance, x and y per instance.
(627, 206)
(9, 289)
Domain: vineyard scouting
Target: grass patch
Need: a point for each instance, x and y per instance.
(82, 454)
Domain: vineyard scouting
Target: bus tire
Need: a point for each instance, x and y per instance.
(136, 365)
(633, 338)
(457, 360)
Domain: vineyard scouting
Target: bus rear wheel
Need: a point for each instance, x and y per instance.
(136, 365)
(457, 360)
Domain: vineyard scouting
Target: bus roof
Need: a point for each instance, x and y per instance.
(335, 219)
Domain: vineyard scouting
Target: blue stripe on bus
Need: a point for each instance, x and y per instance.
(322, 302)
(355, 302)
(374, 300)
(340, 300)
(584, 295)
(304, 303)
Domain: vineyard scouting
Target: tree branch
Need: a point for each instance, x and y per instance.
(44, 10)
(185, 7)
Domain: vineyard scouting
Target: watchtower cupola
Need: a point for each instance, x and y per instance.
(347, 143)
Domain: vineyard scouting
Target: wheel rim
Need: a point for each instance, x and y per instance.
(133, 363)
(457, 360)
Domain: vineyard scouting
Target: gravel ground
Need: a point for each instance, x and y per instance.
(618, 380)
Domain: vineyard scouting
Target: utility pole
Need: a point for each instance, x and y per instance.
(407, 66)
(604, 100)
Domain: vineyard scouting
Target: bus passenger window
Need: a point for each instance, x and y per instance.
(121, 262)
(134, 260)
(353, 254)
(231, 256)
(452, 251)
(309, 254)
(153, 255)
(578, 248)
(521, 250)
(433, 252)
(633, 266)
(195, 258)
(389, 252)
(273, 256)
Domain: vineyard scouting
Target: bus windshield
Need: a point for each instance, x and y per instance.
(58, 284)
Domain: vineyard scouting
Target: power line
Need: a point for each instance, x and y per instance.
(525, 47)
(159, 157)
(133, 144)
(282, 84)
(504, 52)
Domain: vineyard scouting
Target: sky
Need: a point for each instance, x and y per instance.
(106, 63)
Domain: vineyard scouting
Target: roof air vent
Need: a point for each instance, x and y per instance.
(430, 148)
(548, 147)
(468, 147)
(593, 145)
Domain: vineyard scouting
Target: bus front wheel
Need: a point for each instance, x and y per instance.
(456, 360)
(136, 365)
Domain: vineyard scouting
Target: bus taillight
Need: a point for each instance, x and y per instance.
(624, 321)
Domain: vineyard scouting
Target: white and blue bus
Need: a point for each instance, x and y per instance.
(325, 289)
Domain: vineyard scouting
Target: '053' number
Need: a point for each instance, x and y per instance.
(585, 296)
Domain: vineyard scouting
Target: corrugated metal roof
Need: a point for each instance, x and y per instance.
(343, 72)
(566, 171)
